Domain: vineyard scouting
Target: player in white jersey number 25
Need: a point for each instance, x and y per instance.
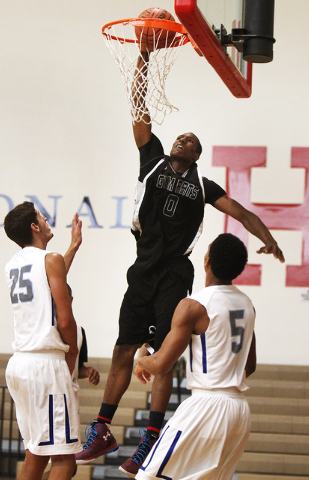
(38, 375)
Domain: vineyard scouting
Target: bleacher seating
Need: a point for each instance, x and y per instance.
(278, 447)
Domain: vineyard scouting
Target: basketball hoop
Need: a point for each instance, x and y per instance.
(166, 37)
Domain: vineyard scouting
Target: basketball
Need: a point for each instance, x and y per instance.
(151, 37)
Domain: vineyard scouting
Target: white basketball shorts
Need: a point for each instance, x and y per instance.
(203, 440)
(46, 406)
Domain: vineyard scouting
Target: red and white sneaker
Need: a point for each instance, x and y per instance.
(131, 466)
(100, 441)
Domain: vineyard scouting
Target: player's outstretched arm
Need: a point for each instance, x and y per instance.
(189, 317)
(56, 274)
(76, 240)
(252, 223)
(142, 128)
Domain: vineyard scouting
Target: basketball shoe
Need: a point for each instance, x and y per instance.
(131, 466)
(100, 441)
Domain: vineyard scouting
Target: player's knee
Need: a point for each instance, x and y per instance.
(124, 353)
(67, 461)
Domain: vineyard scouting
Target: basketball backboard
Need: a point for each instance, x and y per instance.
(209, 21)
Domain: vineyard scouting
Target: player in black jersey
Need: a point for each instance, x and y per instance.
(169, 207)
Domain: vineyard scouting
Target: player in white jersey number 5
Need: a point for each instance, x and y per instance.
(38, 375)
(208, 432)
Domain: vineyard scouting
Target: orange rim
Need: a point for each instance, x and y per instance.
(147, 22)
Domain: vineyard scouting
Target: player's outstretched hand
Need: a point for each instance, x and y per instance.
(76, 240)
(76, 231)
(142, 375)
(272, 248)
(93, 376)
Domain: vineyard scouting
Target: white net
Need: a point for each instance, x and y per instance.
(149, 98)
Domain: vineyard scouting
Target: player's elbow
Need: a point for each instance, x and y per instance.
(66, 323)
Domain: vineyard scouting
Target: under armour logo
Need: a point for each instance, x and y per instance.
(106, 436)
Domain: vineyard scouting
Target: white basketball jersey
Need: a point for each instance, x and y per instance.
(35, 323)
(218, 357)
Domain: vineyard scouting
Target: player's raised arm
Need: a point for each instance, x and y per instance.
(76, 240)
(252, 223)
(141, 128)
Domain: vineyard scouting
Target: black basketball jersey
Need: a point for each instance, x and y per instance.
(168, 207)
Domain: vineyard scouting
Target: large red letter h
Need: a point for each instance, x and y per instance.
(238, 162)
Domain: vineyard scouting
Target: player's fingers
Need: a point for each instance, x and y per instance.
(91, 374)
(140, 374)
(96, 378)
(141, 378)
(280, 255)
(94, 382)
(76, 222)
(275, 250)
(75, 218)
(95, 375)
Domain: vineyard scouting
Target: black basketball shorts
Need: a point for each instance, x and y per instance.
(150, 301)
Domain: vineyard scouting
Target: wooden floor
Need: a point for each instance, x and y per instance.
(278, 447)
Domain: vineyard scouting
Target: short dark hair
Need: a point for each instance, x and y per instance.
(199, 146)
(17, 223)
(227, 256)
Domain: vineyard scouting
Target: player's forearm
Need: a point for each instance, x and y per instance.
(155, 364)
(69, 256)
(254, 225)
(68, 331)
(249, 220)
